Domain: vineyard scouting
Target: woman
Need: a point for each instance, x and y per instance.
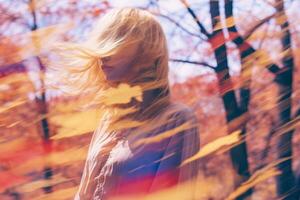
(141, 142)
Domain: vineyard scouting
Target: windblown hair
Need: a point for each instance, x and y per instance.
(80, 73)
(79, 69)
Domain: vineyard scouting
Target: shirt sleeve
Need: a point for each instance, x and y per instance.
(189, 146)
(87, 184)
(101, 142)
(188, 173)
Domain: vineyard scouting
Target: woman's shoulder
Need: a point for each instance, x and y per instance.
(176, 115)
(173, 116)
(182, 111)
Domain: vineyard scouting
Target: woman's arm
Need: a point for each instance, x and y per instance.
(191, 145)
(100, 146)
(87, 184)
(182, 145)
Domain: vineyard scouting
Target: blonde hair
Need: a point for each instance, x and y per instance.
(79, 69)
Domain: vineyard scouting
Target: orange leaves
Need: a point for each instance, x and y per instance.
(11, 50)
(19, 150)
(97, 11)
(14, 153)
(24, 156)
(9, 179)
(30, 155)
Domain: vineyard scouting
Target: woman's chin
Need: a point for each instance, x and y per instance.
(111, 78)
(115, 80)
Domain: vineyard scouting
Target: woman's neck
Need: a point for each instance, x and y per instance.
(148, 97)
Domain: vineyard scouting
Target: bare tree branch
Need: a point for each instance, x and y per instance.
(261, 22)
(192, 62)
(177, 24)
(192, 13)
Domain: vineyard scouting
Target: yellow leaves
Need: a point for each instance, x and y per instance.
(122, 94)
(43, 38)
(264, 58)
(255, 178)
(12, 104)
(291, 125)
(73, 124)
(9, 180)
(125, 124)
(32, 186)
(12, 145)
(164, 135)
(201, 188)
(260, 175)
(121, 112)
(67, 157)
(180, 192)
(14, 85)
(14, 78)
(53, 159)
(215, 146)
(229, 23)
(281, 18)
(32, 43)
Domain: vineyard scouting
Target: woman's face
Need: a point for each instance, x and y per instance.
(118, 67)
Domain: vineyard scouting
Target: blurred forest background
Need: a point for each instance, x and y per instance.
(235, 62)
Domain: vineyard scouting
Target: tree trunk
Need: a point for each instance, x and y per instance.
(238, 154)
(285, 182)
(41, 102)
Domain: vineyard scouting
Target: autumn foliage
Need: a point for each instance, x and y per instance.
(255, 64)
